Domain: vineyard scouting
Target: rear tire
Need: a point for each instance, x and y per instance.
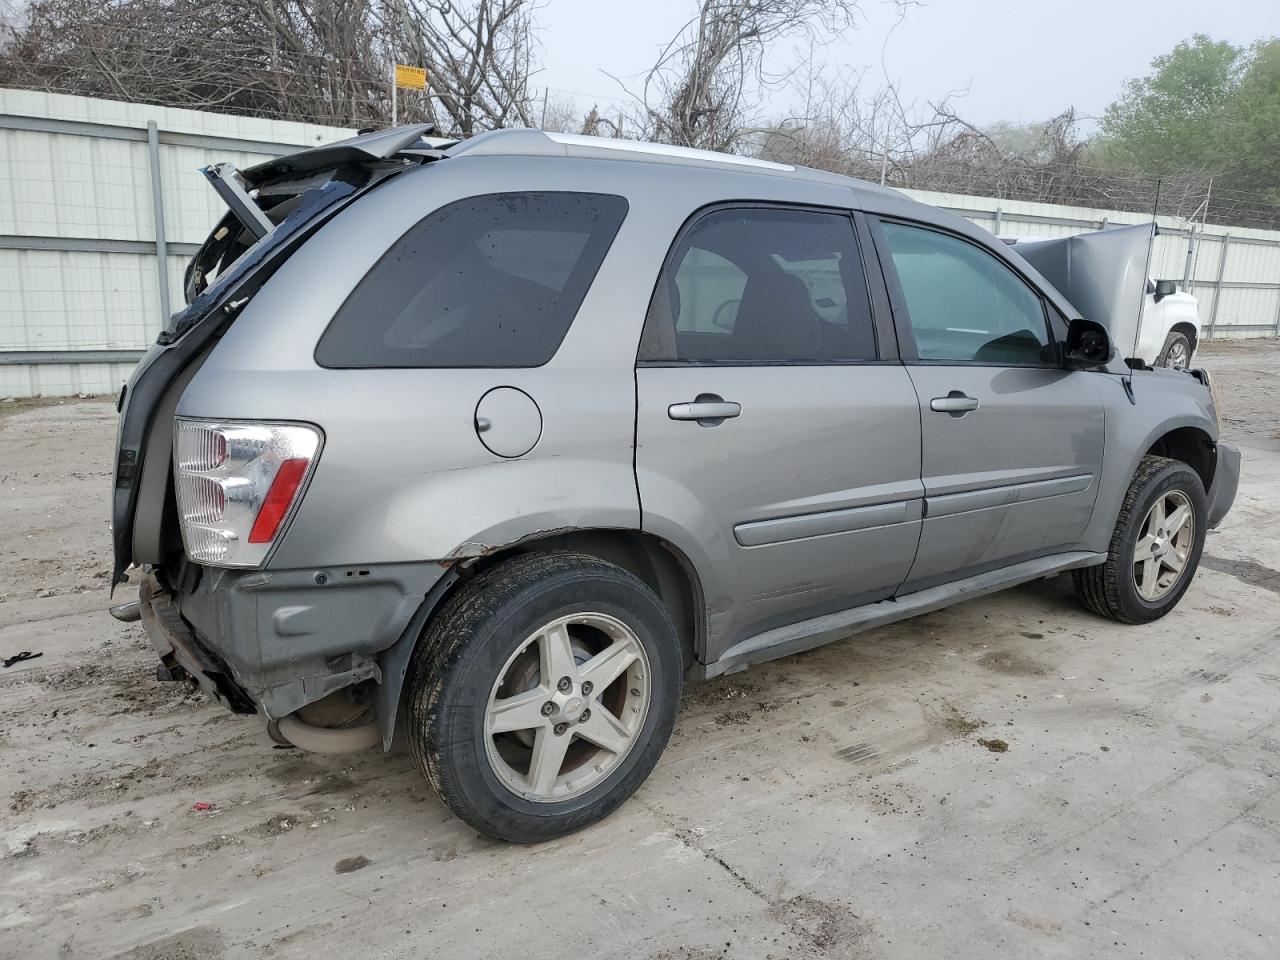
(495, 656)
(1176, 354)
(1138, 582)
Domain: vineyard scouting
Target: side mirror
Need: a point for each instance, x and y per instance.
(1165, 288)
(1087, 344)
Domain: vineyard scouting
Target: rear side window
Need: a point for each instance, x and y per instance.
(762, 285)
(490, 281)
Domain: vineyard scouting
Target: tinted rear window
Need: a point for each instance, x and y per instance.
(491, 281)
(762, 285)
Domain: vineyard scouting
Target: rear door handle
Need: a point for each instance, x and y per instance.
(955, 403)
(708, 409)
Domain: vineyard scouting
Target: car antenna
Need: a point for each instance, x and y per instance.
(1142, 301)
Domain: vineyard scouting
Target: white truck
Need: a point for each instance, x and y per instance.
(1168, 327)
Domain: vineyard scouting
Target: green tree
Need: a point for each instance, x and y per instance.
(1180, 117)
(1256, 123)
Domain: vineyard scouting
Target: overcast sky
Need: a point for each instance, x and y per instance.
(1020, 60)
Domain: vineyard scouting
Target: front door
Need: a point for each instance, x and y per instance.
(1012, 441)
(774, 446)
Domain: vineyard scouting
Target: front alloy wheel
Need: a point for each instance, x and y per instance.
(1167, 535)
(1155, 546)
(1176, 354)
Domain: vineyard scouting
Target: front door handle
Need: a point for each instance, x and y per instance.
(708, 409)
(955, 403)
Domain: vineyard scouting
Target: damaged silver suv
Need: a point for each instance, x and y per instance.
(502, 441)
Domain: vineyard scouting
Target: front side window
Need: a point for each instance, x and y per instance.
(966, 305)
(490, 281)
(762, 285)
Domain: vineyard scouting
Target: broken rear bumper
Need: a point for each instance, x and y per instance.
(273, 641)
(178, 647)
(1226, 480)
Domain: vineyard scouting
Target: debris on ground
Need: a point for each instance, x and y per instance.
(228, 880)
(994, 745)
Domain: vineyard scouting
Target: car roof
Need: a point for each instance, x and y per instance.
(870, 197)
(528, 142)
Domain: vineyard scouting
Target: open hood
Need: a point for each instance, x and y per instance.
(1103, 275)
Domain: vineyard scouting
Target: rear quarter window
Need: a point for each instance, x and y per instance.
(489, 281)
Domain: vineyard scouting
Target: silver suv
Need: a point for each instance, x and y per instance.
(504, 440)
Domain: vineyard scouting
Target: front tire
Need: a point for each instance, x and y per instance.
(1176, 354)
(1155, 547)
(543, 693)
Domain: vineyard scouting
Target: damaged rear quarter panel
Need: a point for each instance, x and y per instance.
(404, 475)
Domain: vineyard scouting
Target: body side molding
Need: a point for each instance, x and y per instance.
(781, 529)
(807, 634)
(944, 505)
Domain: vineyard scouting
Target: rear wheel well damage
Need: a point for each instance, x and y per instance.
(1191, 446)
(658, 564)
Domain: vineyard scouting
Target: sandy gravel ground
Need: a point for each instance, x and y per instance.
(839, 804)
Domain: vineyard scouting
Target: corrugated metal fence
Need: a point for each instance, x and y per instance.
(101, 206)
(100, 209)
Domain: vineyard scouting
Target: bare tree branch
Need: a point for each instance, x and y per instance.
(703, 87)
(326, 61)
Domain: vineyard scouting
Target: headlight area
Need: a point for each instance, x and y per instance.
(237, 485)
(1203, 376)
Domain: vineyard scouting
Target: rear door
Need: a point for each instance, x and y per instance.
(776, 438)
(1012, 441)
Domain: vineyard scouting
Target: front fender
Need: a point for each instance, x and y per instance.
(1163, 401)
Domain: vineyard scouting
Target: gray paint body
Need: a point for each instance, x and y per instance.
(836, 488)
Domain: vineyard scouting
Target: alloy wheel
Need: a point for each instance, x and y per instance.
(567, 707)
(1164, 544)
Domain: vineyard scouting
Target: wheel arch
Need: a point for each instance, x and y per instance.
(1188, 330)
(1190, 445)
(656, 562)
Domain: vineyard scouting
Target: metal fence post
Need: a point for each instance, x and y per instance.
(1217, 290)
(998, 221)
(157, 214)
(1191, 249)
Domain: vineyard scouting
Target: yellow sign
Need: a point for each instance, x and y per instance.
(414, 78)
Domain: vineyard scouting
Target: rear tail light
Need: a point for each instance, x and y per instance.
(237, 484)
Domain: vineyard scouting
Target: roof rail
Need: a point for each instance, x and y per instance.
(529, 142)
